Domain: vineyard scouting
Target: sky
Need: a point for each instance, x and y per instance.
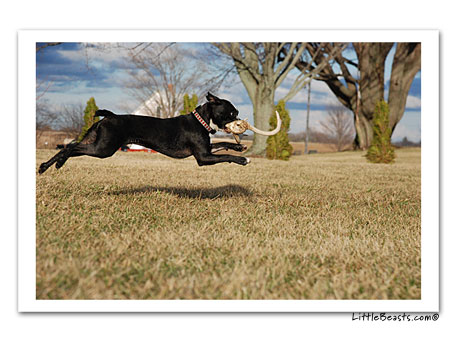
(71, 74)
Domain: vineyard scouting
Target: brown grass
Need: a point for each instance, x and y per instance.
(143, 226)
(298, 147)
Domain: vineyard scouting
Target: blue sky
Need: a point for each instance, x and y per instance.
(74, 74)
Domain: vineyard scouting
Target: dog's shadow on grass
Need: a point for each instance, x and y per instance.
(228, 191)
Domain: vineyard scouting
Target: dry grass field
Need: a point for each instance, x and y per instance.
(144, 226)
(298, 147)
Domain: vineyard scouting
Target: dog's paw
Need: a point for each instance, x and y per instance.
(42, 168)
(240, 147)
(247, 161)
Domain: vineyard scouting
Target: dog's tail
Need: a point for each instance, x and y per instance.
(103, 113)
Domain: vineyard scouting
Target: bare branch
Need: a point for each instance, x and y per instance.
(307, 76)
(282, 69)
(247, 65)
(43, 92)
(339, 126)
(46, 45)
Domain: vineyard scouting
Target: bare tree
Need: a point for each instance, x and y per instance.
(262, 68)
(46, 118)
(360, 93)
(72, 119)
(68, 118)
(164, 74)
(339, 126)
(406, 64)
(315, 136)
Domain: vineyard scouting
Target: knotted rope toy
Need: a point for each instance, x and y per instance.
(238, 127)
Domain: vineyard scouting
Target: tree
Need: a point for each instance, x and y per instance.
(381, 150)
(406, 64)
(89, 117)
(46, 118)
(189, 104)
(262, 68)
(278, 146)
(72, 119)
(164, 73)
(360, 94)
(338, 125)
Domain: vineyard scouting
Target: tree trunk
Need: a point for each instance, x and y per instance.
(364, 132)
(263, 107)
(406, 64)
(371, 58)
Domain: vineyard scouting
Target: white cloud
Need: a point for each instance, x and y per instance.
(401, 131)
(235, 93)
(320, 93)
(413, 102)
(101, 53)
(72, 55)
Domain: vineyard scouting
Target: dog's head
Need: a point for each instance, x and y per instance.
(221, 112)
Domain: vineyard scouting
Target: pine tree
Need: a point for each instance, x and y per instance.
(89, 118)
(278, 146)
(381, 150)
(189, 104)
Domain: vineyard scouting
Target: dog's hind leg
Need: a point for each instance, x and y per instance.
(45, 165)
(99, 142)
(63, 155)
(103, 147)
(89, 150)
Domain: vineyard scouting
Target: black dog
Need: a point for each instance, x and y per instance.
(177, 137)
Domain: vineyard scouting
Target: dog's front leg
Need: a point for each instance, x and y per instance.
(226, 146)
(204, 159)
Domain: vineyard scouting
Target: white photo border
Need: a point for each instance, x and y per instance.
(429, 301)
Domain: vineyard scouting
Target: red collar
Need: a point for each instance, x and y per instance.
(204, 124)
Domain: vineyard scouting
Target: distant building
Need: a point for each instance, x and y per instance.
(158, 105)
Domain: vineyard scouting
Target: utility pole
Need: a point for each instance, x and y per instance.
(308, 118)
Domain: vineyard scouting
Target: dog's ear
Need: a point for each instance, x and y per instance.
(212, 98)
